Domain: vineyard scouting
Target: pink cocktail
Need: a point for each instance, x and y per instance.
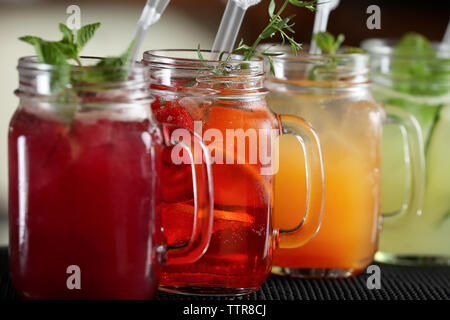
(84, 188)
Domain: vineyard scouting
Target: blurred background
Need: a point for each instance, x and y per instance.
(185, 24)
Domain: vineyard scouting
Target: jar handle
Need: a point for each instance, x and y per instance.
(414, 160)
(196, 246)
(315, 200)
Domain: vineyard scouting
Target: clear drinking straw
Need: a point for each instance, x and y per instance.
(321, 20)
(150, 15)
(230, 24)
(446, 40)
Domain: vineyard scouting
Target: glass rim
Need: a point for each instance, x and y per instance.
(153, 52)
(385, 47)
(36, 77)
(31, 63)
(168, 57)
(384, 59)
(304, 56)
(339, 71)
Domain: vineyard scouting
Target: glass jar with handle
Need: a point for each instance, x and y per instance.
(415, 82)
(224, 101)
(84, 180)
(332, 93)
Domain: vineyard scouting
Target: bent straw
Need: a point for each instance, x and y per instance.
(230, 24)
(150, 15)
(321, 21)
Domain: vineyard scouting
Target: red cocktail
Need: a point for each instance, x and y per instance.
(84, 191)
(224, 102)
(82, 195)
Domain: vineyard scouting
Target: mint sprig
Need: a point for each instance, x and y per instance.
(109, 69)
(58, 52)
(417, 64)
(276, 25)
(85, 34)
(444, 218)
(351, 50)
(328, 43)
(61, 53)
(47, 51)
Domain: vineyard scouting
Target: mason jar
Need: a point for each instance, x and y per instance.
(84, 181)
(225, 103)
(332, 94)
(420, 86)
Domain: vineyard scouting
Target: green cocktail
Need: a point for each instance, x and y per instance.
(414, 76)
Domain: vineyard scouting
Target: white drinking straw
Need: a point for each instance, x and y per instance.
(150, 15)
(324, 8)
(446, 40)
(230, 24)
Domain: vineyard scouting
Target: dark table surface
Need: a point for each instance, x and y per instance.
(397, 283)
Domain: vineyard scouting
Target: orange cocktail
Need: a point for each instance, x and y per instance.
(348, 123)
(348, 235)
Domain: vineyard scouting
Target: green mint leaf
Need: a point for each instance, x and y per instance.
(351, 50)
(221, 55)
(85, 34)
(414, 44)
(419, 66)
(284, 24)
(330, 45)
(271, 65)
(36, 43)
(339, 40)
(47, 51)
(241, 48)
(444, 218)
(324, 41)
(327, 43)
(68, 49)
(190, 83)
(199, 53)
(119, 61)
(125, 57)
(409, 69)
(67, 34)
(294, 45)
(271, 54)
(269, 32)
(322, 72)
(53, 53)
(67, 44)
(110, 70)
(433, 121)
(271, 9)
(306, 4)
